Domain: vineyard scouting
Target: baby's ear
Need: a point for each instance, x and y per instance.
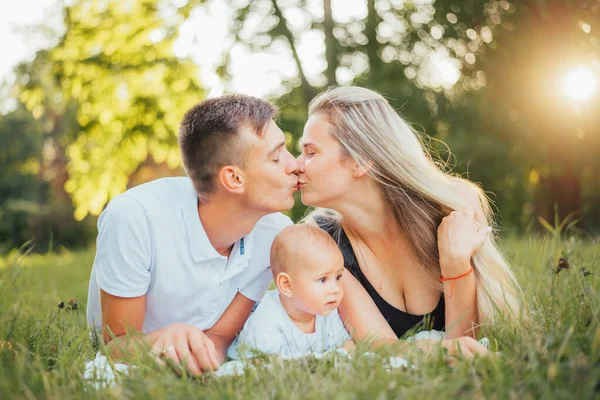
(285, 284)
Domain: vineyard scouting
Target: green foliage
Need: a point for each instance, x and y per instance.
(505, 116)
(116, 65)
(20, 148)
(29, 208)
(43, 348)
(112, 91)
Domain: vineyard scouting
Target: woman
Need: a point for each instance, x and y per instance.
(415, 239)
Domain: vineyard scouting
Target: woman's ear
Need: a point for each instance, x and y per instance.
(285, 284)
(232, 179)
(361, 168)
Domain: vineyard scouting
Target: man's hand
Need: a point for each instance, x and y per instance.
(184, 344)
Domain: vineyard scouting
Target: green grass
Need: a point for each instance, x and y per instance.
(556, 356)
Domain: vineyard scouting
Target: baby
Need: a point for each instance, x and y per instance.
(300, 317)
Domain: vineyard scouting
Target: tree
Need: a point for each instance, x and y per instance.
(116, 68)
(539, 45)
(471, 73)
(20, 150)
(393, 48)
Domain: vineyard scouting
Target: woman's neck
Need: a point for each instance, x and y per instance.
(366, 213)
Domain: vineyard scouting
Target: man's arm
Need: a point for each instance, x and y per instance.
(230, 324)
(200, 351)
(121, 315)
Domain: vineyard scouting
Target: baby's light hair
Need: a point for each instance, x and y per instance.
(293, 242)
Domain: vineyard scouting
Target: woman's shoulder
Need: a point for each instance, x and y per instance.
(326, 219)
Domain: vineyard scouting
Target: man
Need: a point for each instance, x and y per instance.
(183, 260)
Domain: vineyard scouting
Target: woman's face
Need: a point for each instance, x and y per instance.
(325, 175)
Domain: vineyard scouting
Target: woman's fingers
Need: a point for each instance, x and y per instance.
(483, 233)
(477, 348)
(465, 347)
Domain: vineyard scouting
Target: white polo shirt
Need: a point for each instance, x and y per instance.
(151, 241)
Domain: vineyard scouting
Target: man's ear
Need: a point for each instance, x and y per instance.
(285, 284)
(232, 179)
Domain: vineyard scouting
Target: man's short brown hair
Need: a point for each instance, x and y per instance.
(208, 136)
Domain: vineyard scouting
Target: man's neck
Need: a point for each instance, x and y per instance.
(306, 322)
(225, 222)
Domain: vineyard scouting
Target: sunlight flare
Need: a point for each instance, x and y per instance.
(580, 83)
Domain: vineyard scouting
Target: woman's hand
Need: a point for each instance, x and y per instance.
(461, 347)
(459, 237)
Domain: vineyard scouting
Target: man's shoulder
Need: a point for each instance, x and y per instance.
(266, 229)
(273, 222)
(161, 188)
(158, 196)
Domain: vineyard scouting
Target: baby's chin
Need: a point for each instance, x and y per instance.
(325, 313)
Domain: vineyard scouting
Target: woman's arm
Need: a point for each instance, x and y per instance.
(360, 315)
(461, 314)
(460, 235)
(364, 322)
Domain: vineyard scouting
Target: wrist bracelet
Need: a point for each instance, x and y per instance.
(454, 279)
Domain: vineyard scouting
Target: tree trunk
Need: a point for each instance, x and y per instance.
(330, 44)
(307, 90)
(371, 33)
(564, 184)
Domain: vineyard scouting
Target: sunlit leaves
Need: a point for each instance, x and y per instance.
(116, 63)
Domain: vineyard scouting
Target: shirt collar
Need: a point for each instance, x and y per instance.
(200, 245)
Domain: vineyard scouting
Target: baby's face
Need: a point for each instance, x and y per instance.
(318, 288)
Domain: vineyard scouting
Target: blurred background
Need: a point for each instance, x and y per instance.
(93, 92)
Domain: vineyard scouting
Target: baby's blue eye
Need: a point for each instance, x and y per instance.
(323, 279)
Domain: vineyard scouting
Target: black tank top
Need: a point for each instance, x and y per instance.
(400, 321)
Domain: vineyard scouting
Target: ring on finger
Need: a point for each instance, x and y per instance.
(166, 350)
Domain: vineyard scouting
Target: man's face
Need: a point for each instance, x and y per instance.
(270, 173)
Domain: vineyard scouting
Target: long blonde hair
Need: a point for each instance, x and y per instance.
(418, 191)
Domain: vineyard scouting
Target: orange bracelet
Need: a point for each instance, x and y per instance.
(454, 279)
